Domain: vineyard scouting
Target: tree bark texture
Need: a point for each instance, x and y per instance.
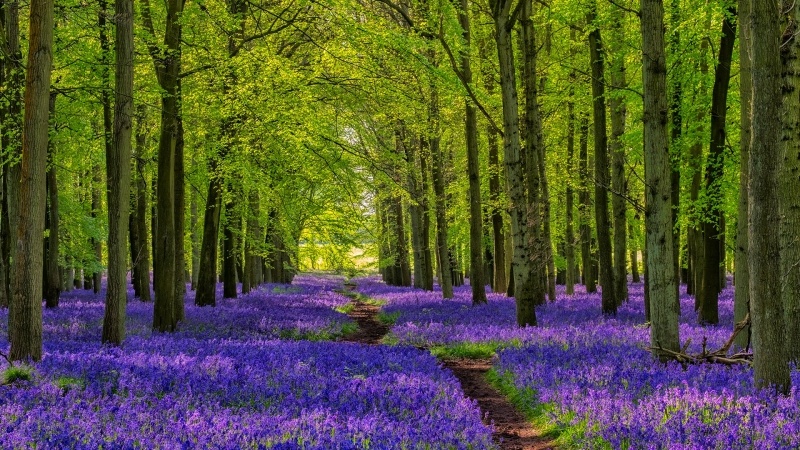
(52, 272)
(25, 314)
(770, 365)
(712, 225)
(119, 177)
(618, 111)
(658, 214)
(741, 303)
(601, 168)
(521, 257)
(789, 178)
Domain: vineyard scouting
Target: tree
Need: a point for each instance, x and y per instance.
(618, 111)
(52, 271)
(658, 214)
(520, 265)
(789, 183)
(601, 166)
(25, 315)
(167, 66)
(712, 225)
(119, 177)
(741, 299)
(471, 131)
(770, 365)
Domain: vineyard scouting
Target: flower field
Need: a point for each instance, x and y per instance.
(592, 378)
(235, 376)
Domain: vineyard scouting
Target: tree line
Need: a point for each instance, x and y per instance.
(515, 143)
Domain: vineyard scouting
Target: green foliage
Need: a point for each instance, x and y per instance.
(16, 373)
(66, 383)
(472, 350)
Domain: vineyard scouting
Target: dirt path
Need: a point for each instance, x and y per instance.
(511, 430)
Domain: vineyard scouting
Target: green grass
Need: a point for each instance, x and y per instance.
(319, 335)
(17, 373)
(472, 350)
(67, 383)
(539, 414)
(388, 318)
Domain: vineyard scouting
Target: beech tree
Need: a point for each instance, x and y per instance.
(25, 314)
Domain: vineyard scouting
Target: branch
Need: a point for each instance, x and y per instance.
(626, 9)
(464, 82)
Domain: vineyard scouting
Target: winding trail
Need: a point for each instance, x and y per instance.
(511, 430)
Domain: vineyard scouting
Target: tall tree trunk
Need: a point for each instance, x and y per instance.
(634, 257)
(415, 212)
(533, 141)
(569, 237)
(601, 167)
(52, 272)
(180, 213)
(13, 79)
(253, 236)
(477, 279)
(118, 170)
(741, 303)
(676, 120)
(498, 231)
(399, 231)
(437, 167)
(25, 314)
(205, 294)
(97, 170)
(229, 250)
(196, 237)
(167, 65)
(712, 226)
(789, 179)
(770, 362)
(618, 111)
(426, 216)
(658, 218)
(585, 210)
(521, 257)
(143, 250)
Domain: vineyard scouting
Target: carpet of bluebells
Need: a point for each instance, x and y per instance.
(592, 377)
(257, 372)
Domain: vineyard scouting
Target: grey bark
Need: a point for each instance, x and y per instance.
(25, 314)
(118, 177)
(658, 215)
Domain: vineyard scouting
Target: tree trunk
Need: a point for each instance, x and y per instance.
(143, 250)
(25, 314)
(477, 279)
(205, 294)
(634, 257)
(229, 251)
(618, 111)
(498, 232)
(789, 179)
(770, 362)
(180, 214)
(118, 170)
(521, 257)
(741, 297)
(658, 218)
(442, 247)
(584, 210)
(712, 226)
(167, 65)
(196, 237)
(601, 167)
(676, 121)
(533, 142)
(11, 138)
(569, 238)
(52, 272)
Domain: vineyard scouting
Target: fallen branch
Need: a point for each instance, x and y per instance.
(719, 356)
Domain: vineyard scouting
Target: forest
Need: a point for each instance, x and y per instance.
(416, 224)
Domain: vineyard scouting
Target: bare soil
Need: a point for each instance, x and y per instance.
(511, 430)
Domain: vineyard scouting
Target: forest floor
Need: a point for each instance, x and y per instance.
(511, 430)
